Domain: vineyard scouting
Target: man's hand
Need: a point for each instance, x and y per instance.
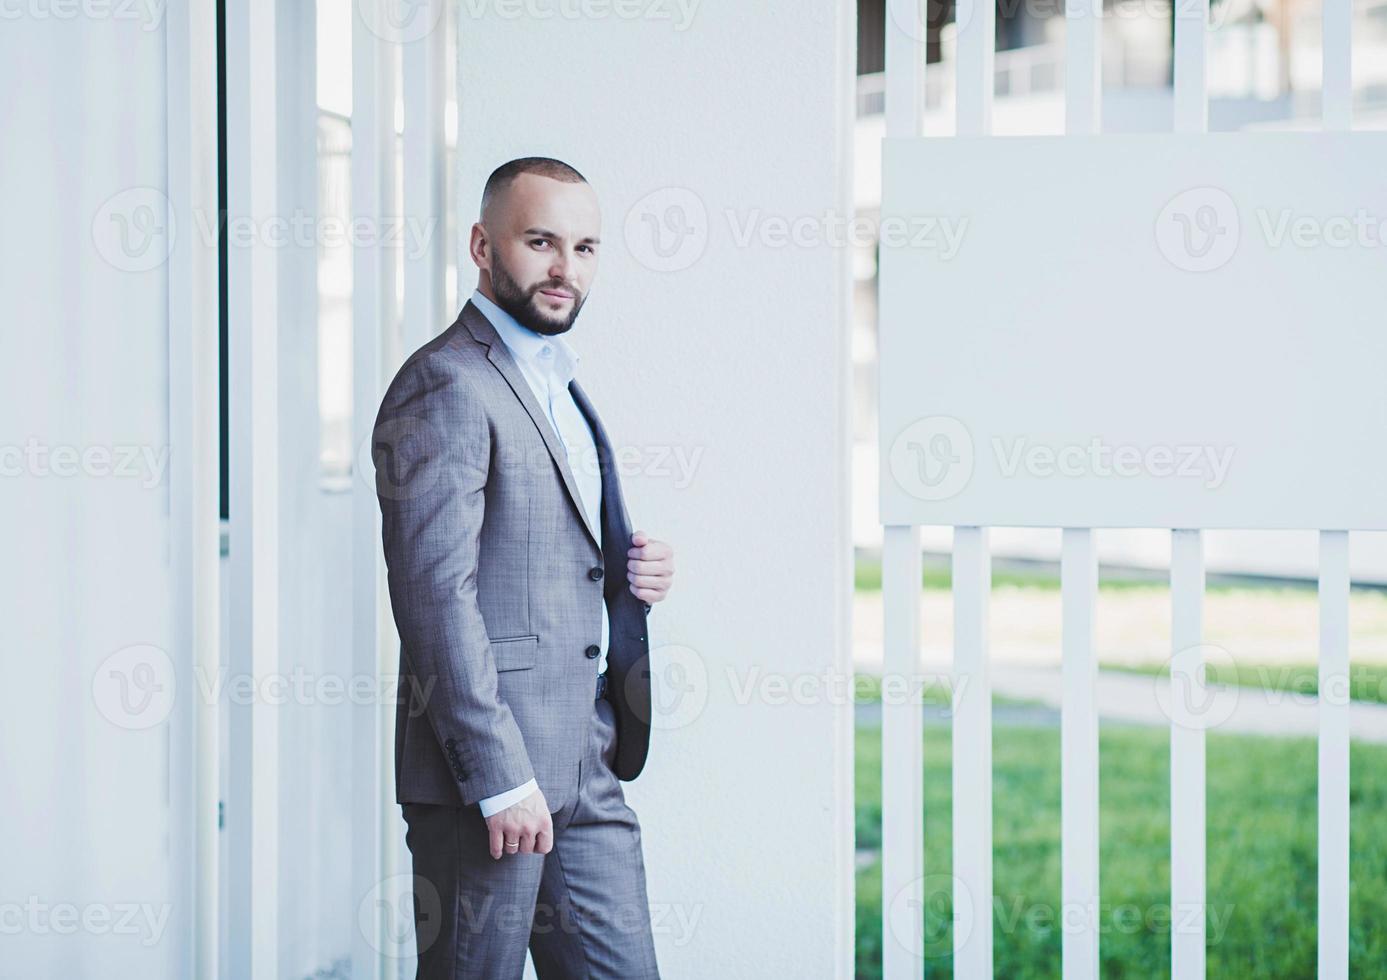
(649, 567)
(522, 828)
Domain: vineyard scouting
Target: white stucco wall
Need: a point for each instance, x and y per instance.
(88, 883)
(726, 379)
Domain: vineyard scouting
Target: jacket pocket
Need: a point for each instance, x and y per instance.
(515, 652)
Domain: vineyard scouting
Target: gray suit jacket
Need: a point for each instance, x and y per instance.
(496, 579)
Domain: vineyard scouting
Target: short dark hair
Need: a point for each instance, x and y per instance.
(505, 174)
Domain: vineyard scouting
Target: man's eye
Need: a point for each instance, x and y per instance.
(540, 241)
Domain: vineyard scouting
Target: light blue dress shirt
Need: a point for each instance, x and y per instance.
(548, 364)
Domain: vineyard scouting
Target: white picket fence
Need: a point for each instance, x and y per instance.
(904, 881)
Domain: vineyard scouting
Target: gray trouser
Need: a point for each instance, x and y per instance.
(581, 909)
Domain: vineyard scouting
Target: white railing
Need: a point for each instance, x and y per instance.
(906, 96)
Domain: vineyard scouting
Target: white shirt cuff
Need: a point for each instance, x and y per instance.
(495, 804)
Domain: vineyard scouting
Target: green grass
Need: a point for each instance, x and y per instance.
(867, 689)
(1261, 845)
(1366, 682)
(936, 575)
(867, 577)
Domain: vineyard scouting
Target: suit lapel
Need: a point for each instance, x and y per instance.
(611, 482)
(616, 523)
(500, 356)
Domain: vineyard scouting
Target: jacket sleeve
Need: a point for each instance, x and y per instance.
(431, 446)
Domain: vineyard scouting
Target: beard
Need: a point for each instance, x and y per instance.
(519, 301)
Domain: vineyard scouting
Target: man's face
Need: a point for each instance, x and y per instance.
(538, 251)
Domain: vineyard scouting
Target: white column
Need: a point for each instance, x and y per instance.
(1333, 756)
(425, 156)
(1083, 66)
(194, 478)
(1190, 62)
(373, 313)
(252, 806)
(972, 755)
(902, 758)
(975, 82)
(1187, 770)
(1337, 55)
(905, 67)
(1079, 756)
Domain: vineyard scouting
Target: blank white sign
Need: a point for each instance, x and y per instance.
(1135, 331)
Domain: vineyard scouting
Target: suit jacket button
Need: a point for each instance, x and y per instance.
(595, 572)
(593, 651)
(449, 743)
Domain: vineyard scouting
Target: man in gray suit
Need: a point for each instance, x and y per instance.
(520, 594)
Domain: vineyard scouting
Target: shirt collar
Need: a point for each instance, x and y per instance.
(546, 354)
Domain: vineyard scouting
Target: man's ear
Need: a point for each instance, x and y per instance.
(479, 247)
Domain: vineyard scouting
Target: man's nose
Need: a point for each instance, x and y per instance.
(561, 265)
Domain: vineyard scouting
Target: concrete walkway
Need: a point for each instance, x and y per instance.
(1138, 699)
